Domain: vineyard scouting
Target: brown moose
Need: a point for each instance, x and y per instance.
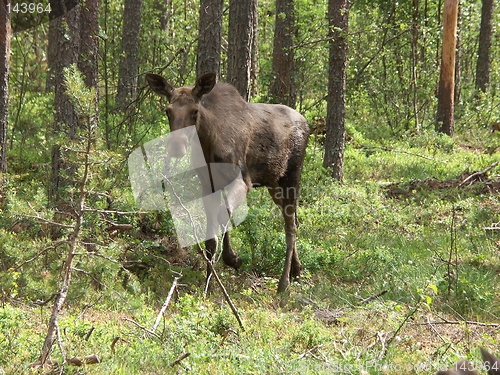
(267, 142)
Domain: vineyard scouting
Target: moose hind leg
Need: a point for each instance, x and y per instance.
(286, 199)
(292, 265)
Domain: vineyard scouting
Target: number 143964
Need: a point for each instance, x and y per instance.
(28, 8)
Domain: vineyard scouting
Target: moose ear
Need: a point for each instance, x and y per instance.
(159, 85)
(204, 84)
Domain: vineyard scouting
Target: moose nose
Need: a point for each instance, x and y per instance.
(177, 146)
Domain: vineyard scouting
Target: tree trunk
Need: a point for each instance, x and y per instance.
(483, 67)
(338, 16)
(129, 58)
(89, 42)
(163, 7)
(458, 57)
(5, 37)
(282, 88)
(254, 68)
(446, 105)
(210, 36)
(240, 42)
(88, 62)
(65, 32)
(415, 62)
(58, 9)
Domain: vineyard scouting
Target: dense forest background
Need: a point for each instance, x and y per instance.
(397, 235)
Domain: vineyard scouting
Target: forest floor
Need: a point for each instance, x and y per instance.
(401, 276)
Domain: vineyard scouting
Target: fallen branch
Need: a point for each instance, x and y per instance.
(399, 151)
(142, 327)
(459, 322)
(371, 298)
(478, 175)
(310, 351)
(226, 334)
(178, 360)
(394, 335)
(115, 341)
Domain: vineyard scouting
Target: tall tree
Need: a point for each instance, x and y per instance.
(129, 58)
(5, 37)
(282, 88)
(458, 57)
(338, 17)
(242, 18)
(254, 68)
(66, 46)
(89, 42)
(209, 37)
(446, 92)
(483, 66)
(63, 50)
(57, 36)
(72, 40)
(163, 7)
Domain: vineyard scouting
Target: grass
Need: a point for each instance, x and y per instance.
(427, 248)
(306, 338)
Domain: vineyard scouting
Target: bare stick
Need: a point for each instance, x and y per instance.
(224, 292)
(165, 305)
(115, 341)
(371, 298)
(142, 327)
(399, 151)
(408, 316)
(39, 218)
(178, 360)
(40, 253)
(310, 351)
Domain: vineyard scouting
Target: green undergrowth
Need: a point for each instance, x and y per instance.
(307, 337)
(380, 266)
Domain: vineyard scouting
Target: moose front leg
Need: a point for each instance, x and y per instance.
(235, 196)
(211, 202)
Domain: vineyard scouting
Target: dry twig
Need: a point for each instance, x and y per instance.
(165, 305)
(178, 360)
(142, 327)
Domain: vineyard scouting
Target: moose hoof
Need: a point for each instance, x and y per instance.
(232, 260)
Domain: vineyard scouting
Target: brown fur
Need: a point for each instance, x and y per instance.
(266, 141)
